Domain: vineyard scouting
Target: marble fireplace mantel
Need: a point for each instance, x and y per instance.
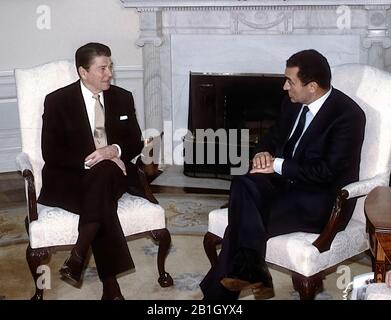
(234, 36)
(243, 3)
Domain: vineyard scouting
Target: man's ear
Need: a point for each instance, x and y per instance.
(82, 72)
(313, 86)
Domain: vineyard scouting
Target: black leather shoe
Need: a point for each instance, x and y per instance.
(259, 290)
(73, 268)
(236, 284)
(263, 292)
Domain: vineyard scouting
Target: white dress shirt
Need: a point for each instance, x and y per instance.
(90, 106)
(314, 108)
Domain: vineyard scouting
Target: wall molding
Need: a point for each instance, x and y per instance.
(7, 85)
(128, 72)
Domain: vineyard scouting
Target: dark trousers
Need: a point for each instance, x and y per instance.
(263, 206)
(101, 188)
(251, 197)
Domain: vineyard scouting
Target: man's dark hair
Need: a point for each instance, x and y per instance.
(312, 67)
(85, 54)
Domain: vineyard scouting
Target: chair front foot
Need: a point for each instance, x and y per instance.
(163, 237)
(35, 259)
(307, 287)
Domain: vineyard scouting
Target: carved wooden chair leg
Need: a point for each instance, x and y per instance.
(164, 239)
(36, 258)
(307, 287)
(373, 260)
(211, 241)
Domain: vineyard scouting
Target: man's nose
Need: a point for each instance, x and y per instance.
(109, 72)
(286, 85)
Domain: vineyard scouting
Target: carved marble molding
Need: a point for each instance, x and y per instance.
(150, 28)
(262, 20)
(158, 17)
(377, 38)
(219, 4)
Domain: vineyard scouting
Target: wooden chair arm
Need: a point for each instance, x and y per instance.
(324, 240)
(31, 195)
(144, 182)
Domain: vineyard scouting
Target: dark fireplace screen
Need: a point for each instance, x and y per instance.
(234, 101)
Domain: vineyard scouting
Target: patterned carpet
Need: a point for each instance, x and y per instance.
(187, 263)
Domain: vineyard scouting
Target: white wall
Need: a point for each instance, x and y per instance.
(73, 23)
(26, 42)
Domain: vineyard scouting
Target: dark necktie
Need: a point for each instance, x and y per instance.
(290, 145)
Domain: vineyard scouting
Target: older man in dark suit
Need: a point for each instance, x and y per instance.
(299, 165)
(90, 135)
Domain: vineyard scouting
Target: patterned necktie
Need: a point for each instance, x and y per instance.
(290, 145)
(100, 138)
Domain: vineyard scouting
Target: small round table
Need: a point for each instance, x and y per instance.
(377, 209)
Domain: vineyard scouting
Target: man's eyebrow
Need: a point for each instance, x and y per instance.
(105, 65)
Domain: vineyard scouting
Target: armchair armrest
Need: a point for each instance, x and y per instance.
(144, 182)
(23, 162)
(352, 190)
(26, 170)
(324, 240)
(363, 187)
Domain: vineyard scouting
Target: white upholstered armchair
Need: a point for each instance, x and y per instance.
(308, 256)
(52, 228)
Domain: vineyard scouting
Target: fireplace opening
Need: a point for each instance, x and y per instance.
(229, 101)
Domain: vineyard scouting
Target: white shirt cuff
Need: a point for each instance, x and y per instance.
(277, 165)
(119, 149)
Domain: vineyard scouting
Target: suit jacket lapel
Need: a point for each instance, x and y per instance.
(291, 121)
(109, 101)
(317, 124)
(81, 116)
(292, 110)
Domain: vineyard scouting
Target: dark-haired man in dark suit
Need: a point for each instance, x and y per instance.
(89, 136)
(299, 165)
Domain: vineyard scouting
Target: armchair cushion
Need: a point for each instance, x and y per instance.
(56, 226)
(295, 251)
